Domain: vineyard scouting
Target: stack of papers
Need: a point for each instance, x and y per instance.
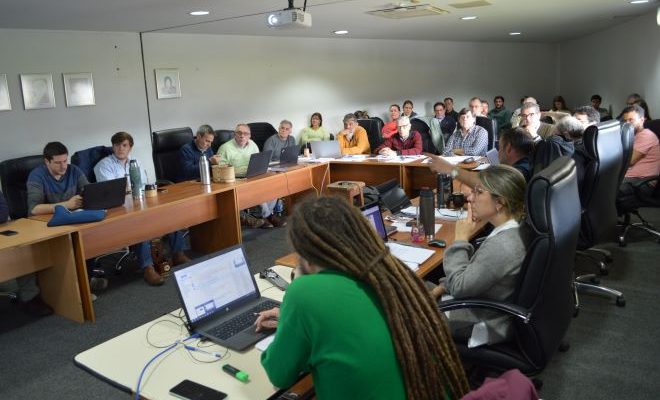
(411, 255)
(402, 227)
(441, 213)
(399, 159)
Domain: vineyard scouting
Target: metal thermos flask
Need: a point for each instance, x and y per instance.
(136, 179)
(204, 172)
(427, 212)
(444, 189)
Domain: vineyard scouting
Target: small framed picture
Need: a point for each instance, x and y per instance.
(5, 101)
(168, 85)
(37, 91)
(79, 89)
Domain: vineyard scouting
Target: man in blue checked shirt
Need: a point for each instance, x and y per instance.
(468, 139)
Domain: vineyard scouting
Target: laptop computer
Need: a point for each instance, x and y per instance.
(392, 196)
(493, 157)
(219, 295)
(288, 159)
(258, 163)
(325, 149)
(104, 195)
(373, 213)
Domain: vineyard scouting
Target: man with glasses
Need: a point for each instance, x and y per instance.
(404, 143)
(441, 126)
(469, 139)
(530, 119)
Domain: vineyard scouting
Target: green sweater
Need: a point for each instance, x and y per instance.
(333, 326)
(309, 135)
(237, 157)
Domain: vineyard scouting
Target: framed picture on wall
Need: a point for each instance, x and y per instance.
(37, 91)
(5, 101)
(79, 89)
(168, 85)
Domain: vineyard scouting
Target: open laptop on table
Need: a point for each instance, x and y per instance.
(104, 195)
(220, 298)
(373, 213)
(394, 198)
(325, 149)
(288, 159)
(493, 157)
(258, 164)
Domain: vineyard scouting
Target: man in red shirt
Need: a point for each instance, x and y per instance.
(405, 142)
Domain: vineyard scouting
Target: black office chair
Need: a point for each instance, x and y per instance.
(647, 191)
(653, 125)
(222, 136)
(542, 306)
(88, 158)
(598, 200)
(165, 147)
(489, 125)
(14, 174)
(260, 132)
(374, 133)
(422, 127)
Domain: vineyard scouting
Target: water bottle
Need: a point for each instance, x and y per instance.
(444, 189)
(427, 212)
(136, 179)
(204, 173)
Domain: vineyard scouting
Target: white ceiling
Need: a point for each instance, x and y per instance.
(538, 20)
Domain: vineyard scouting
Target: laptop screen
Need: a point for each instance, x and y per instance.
(213, 284)
(375, 217)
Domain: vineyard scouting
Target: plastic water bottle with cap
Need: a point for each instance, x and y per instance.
(136, 179)
(204, 173)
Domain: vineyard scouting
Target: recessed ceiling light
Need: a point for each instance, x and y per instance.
(197, 13)
(515, 33)
(469, 18)
(639, 1)
(342, 32)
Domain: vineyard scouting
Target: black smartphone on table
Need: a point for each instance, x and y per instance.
(8, 232)
(189, 390)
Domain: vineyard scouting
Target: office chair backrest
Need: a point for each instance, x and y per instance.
(627, 142)
(422, 127)
(653, 125)
(487, 124)
(165, 147)
(373, 132)
(222, 136)
(14, 174)
(260, 131)
(551, 229)
(600, 183)
(88, 158)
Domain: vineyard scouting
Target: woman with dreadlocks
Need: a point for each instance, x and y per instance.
(358, 319)
(492, 271)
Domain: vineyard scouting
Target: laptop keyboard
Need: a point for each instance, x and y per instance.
(242, 321)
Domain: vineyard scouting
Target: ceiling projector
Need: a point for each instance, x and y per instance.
(289, 18)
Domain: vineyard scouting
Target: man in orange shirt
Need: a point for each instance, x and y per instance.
(353, 139)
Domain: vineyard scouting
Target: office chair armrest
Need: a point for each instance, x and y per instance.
(511, 309)
(163, 182)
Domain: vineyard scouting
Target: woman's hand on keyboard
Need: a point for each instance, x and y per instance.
(267, 319)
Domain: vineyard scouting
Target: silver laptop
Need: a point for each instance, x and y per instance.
(220, 298)
(493, 157)
(325, 149)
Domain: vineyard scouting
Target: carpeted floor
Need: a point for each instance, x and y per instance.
(614, 351)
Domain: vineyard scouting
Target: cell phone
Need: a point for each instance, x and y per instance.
(8, 233)
(189, 390)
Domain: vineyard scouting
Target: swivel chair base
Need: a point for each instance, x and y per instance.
(584, 287)
(643, 225)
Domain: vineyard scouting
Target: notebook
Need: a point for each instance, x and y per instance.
(219, 295)
(493, 157)
(394, 198)
(373, 213)
(258, 164)
(288, 159)
(325, 149)
(104, 195)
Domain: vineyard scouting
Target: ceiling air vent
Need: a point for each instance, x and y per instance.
(408, 11)
(471, 4)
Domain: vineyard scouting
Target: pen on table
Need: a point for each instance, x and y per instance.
(236, 373)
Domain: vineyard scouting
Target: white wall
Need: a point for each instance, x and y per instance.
(231, 79)
(614, 63)
(115, 63)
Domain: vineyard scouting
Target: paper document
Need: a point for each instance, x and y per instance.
(481, 167)
(401, 227)
(353, 158)
(263, 344)
(411, 255)
(412, 210)
(453, 160)
(399, 159)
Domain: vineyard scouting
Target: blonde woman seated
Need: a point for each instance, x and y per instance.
(315, 130)
(492, 271)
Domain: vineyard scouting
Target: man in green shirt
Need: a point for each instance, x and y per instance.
(237, 153)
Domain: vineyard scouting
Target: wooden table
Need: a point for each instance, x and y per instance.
(49, 253)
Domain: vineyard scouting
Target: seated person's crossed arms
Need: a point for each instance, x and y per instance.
(469, 139)
(343, 321)
(116, 166)
(236, 153)
(493, 270)
(353, 138)
(405, 142)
